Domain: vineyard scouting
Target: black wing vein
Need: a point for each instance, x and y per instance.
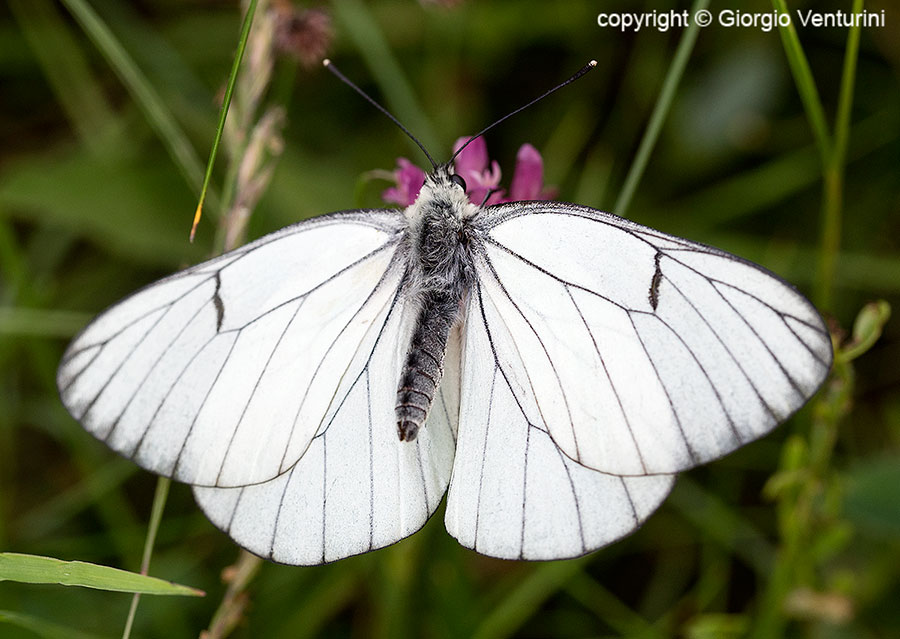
(540, 340)
(610, 379)
(149, 370)
(687, 444)
(199, 409)
(724, 344)
(259, 377)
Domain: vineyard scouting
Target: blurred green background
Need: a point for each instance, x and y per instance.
(107, 113)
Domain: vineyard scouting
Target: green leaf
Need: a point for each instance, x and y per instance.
(34, 569)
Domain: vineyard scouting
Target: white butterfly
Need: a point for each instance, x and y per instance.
(556, 367)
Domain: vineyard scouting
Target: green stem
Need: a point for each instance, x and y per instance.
(231, 609)
(159, 504)
(833, 189)
(223, 113)
(799, 508)
(660, 111)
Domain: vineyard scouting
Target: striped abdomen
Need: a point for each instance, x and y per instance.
(424, 363)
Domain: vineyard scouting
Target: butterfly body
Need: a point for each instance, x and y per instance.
(440, 270)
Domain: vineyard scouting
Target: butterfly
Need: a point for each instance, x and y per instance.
(548, 366)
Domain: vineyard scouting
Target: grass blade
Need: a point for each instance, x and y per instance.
(40, 322)
(34, 569)
(65, 66)
(660, 111)
(148, 100)
(806, 85)
(514, 610)
(226, 102)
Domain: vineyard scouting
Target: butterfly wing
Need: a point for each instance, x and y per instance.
(357, 488)
(221, 375)
(645, 353)
(514, 494)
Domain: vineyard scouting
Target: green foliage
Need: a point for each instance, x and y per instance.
(32, 569)
(779, 147)
(42, 627)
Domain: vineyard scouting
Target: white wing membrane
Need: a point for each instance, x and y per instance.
(221, 375)
(357, 487)
(514, 493)
(645, 353)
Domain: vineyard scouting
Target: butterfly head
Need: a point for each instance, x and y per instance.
(444, 177)
(442, 196)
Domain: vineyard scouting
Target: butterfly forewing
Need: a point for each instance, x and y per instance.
(222, 374)
(645, 353)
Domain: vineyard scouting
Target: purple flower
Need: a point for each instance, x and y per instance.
(528, 177)
(482, 176)
(472, 166)
(409, 179)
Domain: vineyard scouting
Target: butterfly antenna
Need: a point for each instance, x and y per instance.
(590, 65)
(340, 76)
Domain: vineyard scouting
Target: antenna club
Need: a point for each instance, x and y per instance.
(592, 63)
(326, 62)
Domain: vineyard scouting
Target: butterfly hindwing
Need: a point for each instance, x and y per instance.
(357, 487)
(514, 493)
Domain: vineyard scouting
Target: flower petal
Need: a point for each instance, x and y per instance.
(410, 179)
(528, 177)
(473, 159)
